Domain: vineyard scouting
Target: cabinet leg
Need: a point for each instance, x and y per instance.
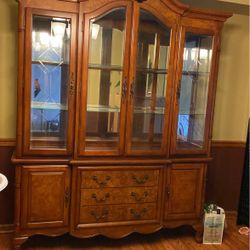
(199, 232)
(18, 241)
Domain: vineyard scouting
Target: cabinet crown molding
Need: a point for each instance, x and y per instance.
(175, 5)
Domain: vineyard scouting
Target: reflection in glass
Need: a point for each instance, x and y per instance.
(194, 90)
(50, 73)
(105, 80)
(149, 88)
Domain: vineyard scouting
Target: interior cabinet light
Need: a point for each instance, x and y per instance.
(58, 28)
(95, 30)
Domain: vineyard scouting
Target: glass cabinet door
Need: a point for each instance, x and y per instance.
(193, 92)
(149, 86)
(106, 83)
(49, 84)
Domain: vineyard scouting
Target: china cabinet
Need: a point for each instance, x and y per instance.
(115, 110)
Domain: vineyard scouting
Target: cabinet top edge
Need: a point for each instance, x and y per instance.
(176, 6)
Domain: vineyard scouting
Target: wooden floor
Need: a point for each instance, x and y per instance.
(177, 239)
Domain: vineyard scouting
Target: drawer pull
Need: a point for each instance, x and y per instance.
(139, 199)
(99, 200)
(101, 183)
(103, 216)
(138, 215)
(141, 180)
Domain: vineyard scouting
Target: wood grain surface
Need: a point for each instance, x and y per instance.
(177, 239)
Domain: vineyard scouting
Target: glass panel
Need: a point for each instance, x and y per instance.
(150, 83)
(105, 81)
(194, 90)
(49, 80)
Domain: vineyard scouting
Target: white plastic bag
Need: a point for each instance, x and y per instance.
(214, 226)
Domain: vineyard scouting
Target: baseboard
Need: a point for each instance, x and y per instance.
(8, 228)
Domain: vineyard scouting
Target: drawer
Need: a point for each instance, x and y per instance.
(118, 195)
(119, 178)
(112, 213)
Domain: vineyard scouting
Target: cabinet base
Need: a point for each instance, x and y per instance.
(18, 241)
(199, 232)
(114, 233)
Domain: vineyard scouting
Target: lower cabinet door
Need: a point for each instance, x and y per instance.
(184, 191)
(45, 196)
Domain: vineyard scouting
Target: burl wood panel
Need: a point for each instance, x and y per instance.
(97, 179)
(184, 191)
(118, 195)
(43, 196)
(111, 213)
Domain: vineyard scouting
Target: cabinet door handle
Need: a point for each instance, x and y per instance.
(138, 215)
(124, 88)
(141, 180)
(101, 183)
(139, 199)
(103, 216)
(99, 200)
(67, 196)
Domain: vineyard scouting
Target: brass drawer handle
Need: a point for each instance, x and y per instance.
(103, 216)
(67, 196)
(99, 200)
(139, 199)
(141, 180)
(138, 215)
(101, 183)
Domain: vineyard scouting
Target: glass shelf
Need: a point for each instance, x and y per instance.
(48, 106)
(180, 113)
(152, 71)
(148, 110)
(195, 73)
(105, 67)
(56, 63)
(103, 108)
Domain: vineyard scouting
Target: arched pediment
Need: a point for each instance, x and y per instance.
(174, 5)
(181, 9)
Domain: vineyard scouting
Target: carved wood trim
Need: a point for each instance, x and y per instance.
(8, 142)
(180, 8)
(228, 144)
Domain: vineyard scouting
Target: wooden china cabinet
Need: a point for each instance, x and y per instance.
(115, 110)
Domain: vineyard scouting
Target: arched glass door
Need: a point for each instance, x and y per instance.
(148, 87)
